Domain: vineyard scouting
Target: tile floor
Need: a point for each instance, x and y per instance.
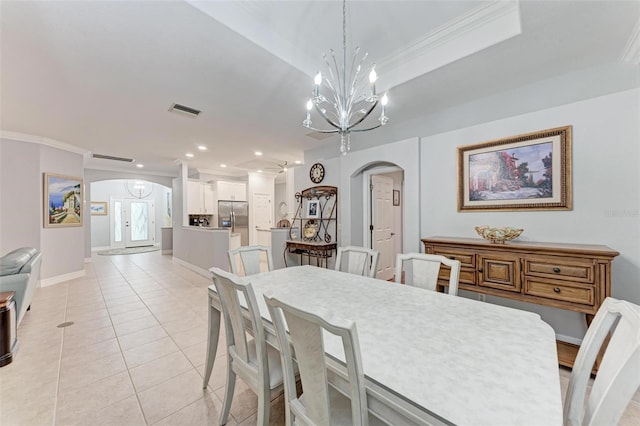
(134, 355)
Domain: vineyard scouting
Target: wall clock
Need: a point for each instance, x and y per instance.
(316, 173)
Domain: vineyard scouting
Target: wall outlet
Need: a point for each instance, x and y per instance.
(482, 297)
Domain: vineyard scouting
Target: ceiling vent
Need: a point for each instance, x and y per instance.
(320, 136)
(111, 157)
(182, 109)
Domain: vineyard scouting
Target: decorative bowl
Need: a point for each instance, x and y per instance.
(498, 235)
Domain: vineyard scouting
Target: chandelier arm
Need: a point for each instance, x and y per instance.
(334, 92)
(319, 110)
(322, 131)
(367, 129)
(365, 116)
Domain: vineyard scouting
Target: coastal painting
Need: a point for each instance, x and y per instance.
(524, 172)
(62, 201)
(98, 208)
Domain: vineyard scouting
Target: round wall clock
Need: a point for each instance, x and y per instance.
(316, 173)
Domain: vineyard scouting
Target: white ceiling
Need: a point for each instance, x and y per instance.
(101, 75)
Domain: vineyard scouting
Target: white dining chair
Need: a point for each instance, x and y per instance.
(618, 376)
(251, 258)
(248, 356)
(422, 270)
(319, 403)
(357, 260)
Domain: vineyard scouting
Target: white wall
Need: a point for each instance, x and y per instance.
(606, 196)
(116, 188)
(21, 206)
(23, 163)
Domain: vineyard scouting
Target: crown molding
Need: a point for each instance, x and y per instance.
(631, 51)
(472, 32)
(22, 137)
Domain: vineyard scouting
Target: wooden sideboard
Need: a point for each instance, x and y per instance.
(575, 277)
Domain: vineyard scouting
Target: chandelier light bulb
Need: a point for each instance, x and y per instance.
(318, 79)
(384, 100)
(309, 105)
(373, 76)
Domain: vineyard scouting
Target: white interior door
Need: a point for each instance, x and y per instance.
(382, 221)
(262, 214)
(132, 223)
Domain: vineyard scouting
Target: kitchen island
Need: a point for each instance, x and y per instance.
(200, 248)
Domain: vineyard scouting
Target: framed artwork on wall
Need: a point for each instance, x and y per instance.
(525, 172)
(99, 208)
(396, 197)
(62, 201)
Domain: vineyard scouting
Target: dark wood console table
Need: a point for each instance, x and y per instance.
(575, 277)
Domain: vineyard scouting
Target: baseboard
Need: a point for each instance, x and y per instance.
(194, 268)
(100, 248)
(170, 251)
(61, 278)
(87, 260)
(569, 339)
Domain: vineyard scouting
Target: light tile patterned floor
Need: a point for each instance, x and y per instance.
(134, 355)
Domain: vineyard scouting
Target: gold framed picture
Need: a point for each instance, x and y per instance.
(62, 201)
(531, 171)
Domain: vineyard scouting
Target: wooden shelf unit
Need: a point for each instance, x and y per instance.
(576, 277)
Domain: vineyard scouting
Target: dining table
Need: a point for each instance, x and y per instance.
(427, 357)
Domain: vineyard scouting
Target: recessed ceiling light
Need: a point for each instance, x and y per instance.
(298, 162)
(259, 171)
(223, 165)
(202, 147)
(188, 155)
(139, 165)
(258, 153)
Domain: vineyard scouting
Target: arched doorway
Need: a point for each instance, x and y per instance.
(381, 221)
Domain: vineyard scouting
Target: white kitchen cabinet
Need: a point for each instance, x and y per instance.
(200, 198)
(231, 191)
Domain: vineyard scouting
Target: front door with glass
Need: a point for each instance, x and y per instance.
(132, 223)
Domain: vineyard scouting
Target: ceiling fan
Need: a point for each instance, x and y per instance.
(282, 167)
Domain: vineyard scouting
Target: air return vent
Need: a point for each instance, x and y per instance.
(111, 157)
(191, 112)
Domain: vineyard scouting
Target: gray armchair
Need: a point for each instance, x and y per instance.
(19, 272)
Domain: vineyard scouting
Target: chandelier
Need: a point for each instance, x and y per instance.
(138, 188)
(344, 99)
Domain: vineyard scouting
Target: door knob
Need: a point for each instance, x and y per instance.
(393, 233)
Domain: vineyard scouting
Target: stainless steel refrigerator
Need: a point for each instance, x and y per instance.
(235, 215)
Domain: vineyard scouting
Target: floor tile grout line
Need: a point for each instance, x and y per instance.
(57, 394)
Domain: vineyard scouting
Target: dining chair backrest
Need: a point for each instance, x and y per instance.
(252, 258)
(422, 270)
(306, 333)
(357, 260)
(248, 356)
(618, 375)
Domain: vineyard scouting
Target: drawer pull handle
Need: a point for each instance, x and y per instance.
(556, 270)
(452, 257)
(556, 290)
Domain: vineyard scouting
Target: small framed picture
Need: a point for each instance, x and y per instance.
(396, 197)
(313, 209)
(98, 208)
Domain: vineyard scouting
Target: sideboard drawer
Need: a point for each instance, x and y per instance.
(467, 276)
(466, 258)
(560, 290)
(566, 268)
